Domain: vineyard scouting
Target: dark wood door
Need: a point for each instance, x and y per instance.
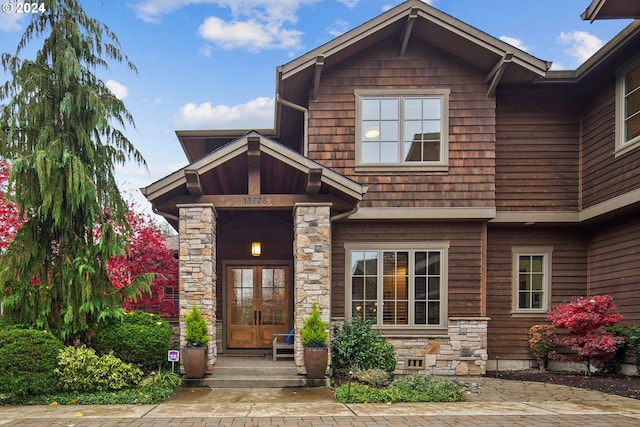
(257, 305)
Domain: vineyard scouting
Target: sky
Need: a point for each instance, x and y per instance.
(211, 64)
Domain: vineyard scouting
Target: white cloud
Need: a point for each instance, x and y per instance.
(350, 3)
(254, 24)
(119, 90)
(515, 42)
(338, 28)
(250, 35)
(206, 51)
(11, 21)
(255, 114)
(581, 44)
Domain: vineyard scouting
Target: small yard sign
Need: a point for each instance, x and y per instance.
(174, 355)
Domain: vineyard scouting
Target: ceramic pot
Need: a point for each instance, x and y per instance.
(315, 361)
(194, 360)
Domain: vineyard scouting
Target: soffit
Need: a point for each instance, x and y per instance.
(611, 9)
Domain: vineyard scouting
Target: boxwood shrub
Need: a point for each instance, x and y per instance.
(355, 346)
(140, 338)
(27, 362)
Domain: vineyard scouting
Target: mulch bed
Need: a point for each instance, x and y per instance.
(621, 385)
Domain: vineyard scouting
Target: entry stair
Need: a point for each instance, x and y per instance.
(254, 372)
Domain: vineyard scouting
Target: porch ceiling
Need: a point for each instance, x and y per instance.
(252, 173)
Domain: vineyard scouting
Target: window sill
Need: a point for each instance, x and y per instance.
(413, 332)
(627, 147)
(532, 314)
(401, 168)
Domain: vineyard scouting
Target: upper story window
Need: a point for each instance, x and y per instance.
(406, 129)
(628, 108)
(531, 279)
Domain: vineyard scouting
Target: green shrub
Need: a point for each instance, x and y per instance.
(634, 343)
(314, 331)
(139, 338)
(355, 346)
(196, 328)
(27, 362)
(80, 368)
(413, 388)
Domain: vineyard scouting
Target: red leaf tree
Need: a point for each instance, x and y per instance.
(10, 221)
(146, 253)
(586, 320)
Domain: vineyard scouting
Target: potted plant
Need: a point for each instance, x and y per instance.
(194, 353)
(314, 338)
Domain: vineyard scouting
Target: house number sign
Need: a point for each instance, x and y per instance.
(253, 201)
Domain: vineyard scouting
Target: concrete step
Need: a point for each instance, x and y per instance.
(254, 372)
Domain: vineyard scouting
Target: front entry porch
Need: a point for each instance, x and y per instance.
(254, 189)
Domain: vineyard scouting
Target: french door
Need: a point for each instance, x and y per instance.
(257, 305)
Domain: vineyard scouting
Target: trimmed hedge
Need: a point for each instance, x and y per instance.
(27, 362)
(140, 338)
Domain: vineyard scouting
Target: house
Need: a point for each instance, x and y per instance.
(426, 176)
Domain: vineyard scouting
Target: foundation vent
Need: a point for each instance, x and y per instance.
(414, 363)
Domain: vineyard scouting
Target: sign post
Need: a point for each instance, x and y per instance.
(173, 356)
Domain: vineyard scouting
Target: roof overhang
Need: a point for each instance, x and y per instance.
(500, 61)
(252, 172)
(611, 9)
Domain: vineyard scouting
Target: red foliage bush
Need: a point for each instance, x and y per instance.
(586, 320)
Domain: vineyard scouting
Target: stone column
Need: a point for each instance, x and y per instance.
(198, 269)
(312, 268)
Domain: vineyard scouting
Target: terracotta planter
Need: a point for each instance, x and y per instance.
(315, 361)
(194, 360)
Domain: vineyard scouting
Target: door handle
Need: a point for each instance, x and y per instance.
(260, 318)
(255, 317)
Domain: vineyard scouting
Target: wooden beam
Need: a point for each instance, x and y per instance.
(250, 202)
(314, 181)
(193, 182)
(408, 27)
(317, 72)
(253, 171)
(496, 73)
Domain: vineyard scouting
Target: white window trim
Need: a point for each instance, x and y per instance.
(546, 252)
(441, 166)
(443, 247)
(623, 146)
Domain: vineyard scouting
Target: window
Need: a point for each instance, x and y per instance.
(408, 128)
(628, 108)
(398, 286)
(532, 279)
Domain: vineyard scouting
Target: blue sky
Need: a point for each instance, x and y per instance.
(210, 64)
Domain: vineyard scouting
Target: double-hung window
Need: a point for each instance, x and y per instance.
(531, 279)
(398, 286)
(628, 108)
(402, 129)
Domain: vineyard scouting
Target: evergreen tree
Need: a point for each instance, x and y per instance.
(61, 129)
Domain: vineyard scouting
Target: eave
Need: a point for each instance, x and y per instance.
(413, 19)
(611, 9)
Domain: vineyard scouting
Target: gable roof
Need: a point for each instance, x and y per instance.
(226, 172)
(410, 19)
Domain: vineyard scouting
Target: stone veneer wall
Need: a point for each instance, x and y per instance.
(462, 351)
(197, 262)
(312, 267)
